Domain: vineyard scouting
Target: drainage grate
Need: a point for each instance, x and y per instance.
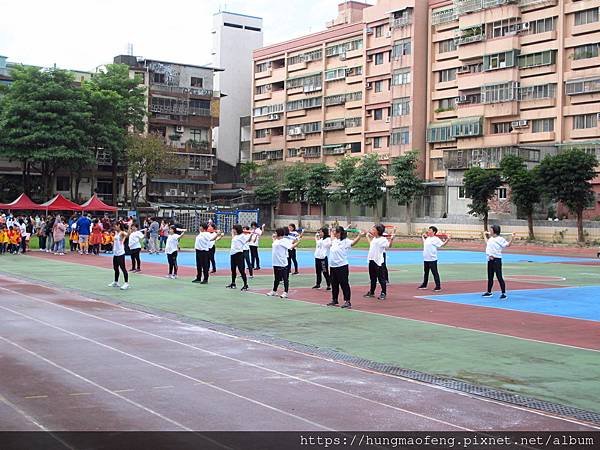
(448, 383)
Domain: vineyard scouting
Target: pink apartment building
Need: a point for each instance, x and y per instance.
(510, 77)
(463, 81)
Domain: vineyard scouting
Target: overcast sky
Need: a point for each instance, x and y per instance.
(86, 33)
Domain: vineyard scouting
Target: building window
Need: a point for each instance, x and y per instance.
(502, 193)
(582, 86)
(446, 104)
(63, 183)
(335, 74)
(378, 58)
(401, 48)
(461, 192)
(542, 25)
(259, 134)
(400, 136)
(401, 107)
(354, 71)
(447, 75)
(379, 31)
(440, 133)
(586, 16)
(340, 49)
(377, 142)
(501, 128)
(498, 93)
(586, 51)
(584, 121)
(200, 134)
(158, 78)
(499, 60)
(400, 77)
(446, 46)
(293, 152)
(542, 125)
(540, 91)
(378, 86)
(353, 122)
(378, 114)
(305, 103)
(270, 109)
(263, 67)
(197, 82)
(537, 59)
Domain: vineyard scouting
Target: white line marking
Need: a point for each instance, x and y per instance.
(77, 394)
(159, 366)
(82, 378)
(163, 387)
(123, 390)
(341, 363)
(33, 397)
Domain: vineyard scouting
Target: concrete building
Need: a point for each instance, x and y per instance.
(183, 107)
(509, 77)
(235, 36)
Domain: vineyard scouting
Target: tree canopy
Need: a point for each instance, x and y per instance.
(480, 187)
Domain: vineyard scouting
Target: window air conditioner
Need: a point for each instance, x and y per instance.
(525, 26)
(388, 119)
(369, 30)
(369, 85)
(179, 129)
(368, 141)
(519, 123)
(461, 99)
(273, 116)
(388, 34)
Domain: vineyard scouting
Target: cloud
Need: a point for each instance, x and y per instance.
(82, 35)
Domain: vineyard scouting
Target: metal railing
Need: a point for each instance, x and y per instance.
(201, 92)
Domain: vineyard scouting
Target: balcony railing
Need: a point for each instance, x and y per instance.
(443, 16)
(201, 92)
(486, 158)
(401, 22)
(179, 110)
(469, 6)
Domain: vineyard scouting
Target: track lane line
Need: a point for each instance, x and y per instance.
(341, 363)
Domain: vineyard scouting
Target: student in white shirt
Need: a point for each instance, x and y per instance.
(135, 247)
(248, 233)
(121, 234)
(293, 235)
(254, 244)
(171, 249)
(323, 242)
(431, 243)
(236, 256)
(377, 245)
(338, 265)
(494, 246)
(203, 243)
(280, 254)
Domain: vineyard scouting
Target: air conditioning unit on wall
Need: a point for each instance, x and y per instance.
(179, 129)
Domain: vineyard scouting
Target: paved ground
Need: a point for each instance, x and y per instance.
(73, 363)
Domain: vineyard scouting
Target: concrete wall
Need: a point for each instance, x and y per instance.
(232, 51)
(465, 228)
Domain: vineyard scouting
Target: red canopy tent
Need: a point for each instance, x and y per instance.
(95, 204)
(60, 203)
(23, 202)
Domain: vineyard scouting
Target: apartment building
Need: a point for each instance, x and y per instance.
(509, 77)
(184, 109)
(350, 89)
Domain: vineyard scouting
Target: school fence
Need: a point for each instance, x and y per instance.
(223, 220)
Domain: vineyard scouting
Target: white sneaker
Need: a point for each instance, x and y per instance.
(284, 295)
(113, 284)
(174, 277)
(169, 276)
(125, 286)
(272, 294)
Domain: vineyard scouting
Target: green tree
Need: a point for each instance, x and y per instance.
(318, 179)
(147, 157)
(342, 176)
(248, 171)
(118, 105)
(296, 181)
(267, 190)
(480, 186)
(566, 178)
(368, 183)
(407, 184)
(525, 186)
(43, 121)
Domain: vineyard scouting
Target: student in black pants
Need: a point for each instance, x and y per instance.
(431, 244)
(254, 244)
(323, 244)
(211, 257)
(248, 234)
(203, 243)
(495, 243)
(338, 260)
(377, 245)
(279, 256)
(293, 235)
(236, 254)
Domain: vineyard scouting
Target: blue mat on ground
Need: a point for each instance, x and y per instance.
(572, 302)
(358, 257)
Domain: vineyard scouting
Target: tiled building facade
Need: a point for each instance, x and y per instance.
(463, 81)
